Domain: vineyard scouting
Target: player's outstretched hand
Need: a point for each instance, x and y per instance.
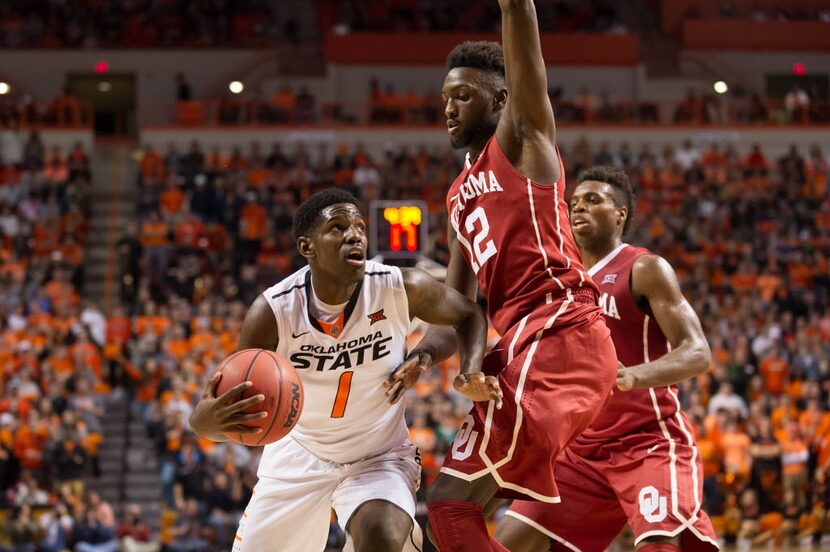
(625, 379)
(406, 375)
(478, 387)
(214, 416)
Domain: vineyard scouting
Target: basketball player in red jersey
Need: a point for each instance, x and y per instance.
(637, 463)
(555, 362)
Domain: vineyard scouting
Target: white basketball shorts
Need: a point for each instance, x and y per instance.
(291, 512)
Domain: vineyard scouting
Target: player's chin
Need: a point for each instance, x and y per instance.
(459, 140)
(355, 268)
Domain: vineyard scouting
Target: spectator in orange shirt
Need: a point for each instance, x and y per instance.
(252, 228)
(118, 326)
(189, 233)
(152, 166)
(774, 369)
(172, 200)
(794, 457)
(737, 454)
(155, 240)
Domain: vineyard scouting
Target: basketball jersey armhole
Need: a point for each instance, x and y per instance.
(519, 174)
(401, 298)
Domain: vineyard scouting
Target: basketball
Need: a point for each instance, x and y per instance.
(272, 376)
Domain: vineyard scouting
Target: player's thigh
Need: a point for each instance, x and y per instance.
(588, 518)
(290, 507)
(392, 478)
(285, 518)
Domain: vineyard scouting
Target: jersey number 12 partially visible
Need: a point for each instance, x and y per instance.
(478, 253)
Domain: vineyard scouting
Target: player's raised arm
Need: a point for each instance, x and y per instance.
(528, 108)
(214, 416)
(654, 280)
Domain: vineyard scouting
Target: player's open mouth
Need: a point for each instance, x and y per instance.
(579, 222)
(452, 126)
(356, 257)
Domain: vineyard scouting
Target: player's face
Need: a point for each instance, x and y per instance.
(470, 107)
(594, 216)
(338, 245)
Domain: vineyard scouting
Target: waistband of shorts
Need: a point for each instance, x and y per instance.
(586, 296)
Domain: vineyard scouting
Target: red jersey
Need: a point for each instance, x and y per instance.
(638, 339)
(515, 235)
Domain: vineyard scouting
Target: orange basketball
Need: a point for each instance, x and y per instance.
(272, 376)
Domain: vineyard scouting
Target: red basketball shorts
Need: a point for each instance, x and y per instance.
(556, 368)
(652, 484)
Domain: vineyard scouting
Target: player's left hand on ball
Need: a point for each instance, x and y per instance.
(478, 387)
(625, 379)
(406, 375)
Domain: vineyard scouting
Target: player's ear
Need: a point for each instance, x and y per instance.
(305, 247)
(499, 99)
(622, 215)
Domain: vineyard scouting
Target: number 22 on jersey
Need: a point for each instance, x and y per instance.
(478, 228)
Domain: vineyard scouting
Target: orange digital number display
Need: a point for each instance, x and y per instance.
(404, 223)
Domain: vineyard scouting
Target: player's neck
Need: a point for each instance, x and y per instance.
(595, 252)
(331, 293)
(475, 149)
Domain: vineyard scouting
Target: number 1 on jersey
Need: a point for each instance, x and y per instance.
(344, 387)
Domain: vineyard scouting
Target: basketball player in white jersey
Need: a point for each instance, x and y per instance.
(342, 321)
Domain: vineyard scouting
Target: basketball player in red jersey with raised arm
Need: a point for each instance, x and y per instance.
(555, 361)
(637, 463)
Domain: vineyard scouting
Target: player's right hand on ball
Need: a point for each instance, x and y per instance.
(478, 387)
(214, 416)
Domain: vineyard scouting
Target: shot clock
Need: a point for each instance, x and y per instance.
(398, 229)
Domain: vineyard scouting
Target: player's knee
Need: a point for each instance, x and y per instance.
(382, 534)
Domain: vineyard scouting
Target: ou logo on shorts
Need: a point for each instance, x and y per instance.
(653, 507)
(465, 436)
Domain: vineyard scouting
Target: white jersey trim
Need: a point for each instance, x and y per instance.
(605, 260)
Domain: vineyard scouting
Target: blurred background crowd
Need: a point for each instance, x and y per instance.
(748, 235)
(127, 264)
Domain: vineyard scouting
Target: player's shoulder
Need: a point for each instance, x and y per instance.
(288, 286)
(379, 275)
(652, 273)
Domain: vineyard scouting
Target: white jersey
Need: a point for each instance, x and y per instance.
(346, 415)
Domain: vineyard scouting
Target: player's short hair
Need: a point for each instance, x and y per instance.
(308, 213)
(624, 195)
(484, 55)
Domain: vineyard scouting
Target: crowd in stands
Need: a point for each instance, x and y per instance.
(137, 24)
(389, 104)
(760, 11)
(342, 16)
(66, 110)
(53, 378)
(748, 235)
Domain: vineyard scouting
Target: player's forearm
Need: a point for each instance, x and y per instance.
(686, 361)
(517, 5)
(472, 339)
(439, 342)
